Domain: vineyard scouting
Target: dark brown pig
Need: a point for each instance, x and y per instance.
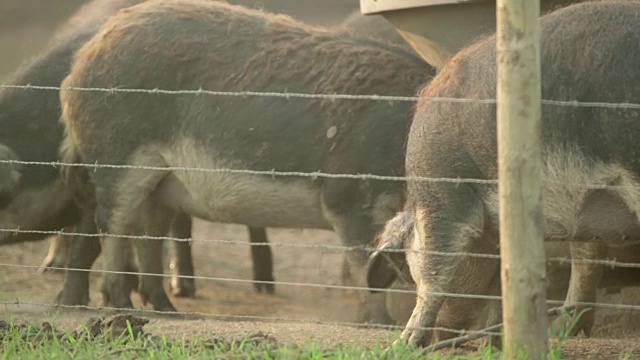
(39, 201)
(87, 19)
(199, 44)
(94, 14)
(589, 53)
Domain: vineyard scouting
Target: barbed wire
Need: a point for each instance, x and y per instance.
(222, 279)
(325, 247)
(316, 174)
(312, 174)
(289, 95)
(239, 317)
(321, 247)
(272, 173)
(328, 286)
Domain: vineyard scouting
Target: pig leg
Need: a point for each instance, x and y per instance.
(181, 261)
(116, 252)
(449, 218)
(125, 208)
(149, 255)
(58, 255)
(262, 260)
(583, 286)
(84, 252)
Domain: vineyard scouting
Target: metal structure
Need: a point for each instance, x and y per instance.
(438, 28)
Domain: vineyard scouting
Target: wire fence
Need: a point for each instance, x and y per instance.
(237, 317)
(312, 175)
(327, 286)
(320, 247)
(293, 95)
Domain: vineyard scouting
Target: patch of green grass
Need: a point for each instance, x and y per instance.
(29, 341)
(103, 339)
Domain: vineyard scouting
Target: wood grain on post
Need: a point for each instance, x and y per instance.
(520, 178)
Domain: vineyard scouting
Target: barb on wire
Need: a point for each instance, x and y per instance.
(290, 95)
(236, 317)
(322, 247)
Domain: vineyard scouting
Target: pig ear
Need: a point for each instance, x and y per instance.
(380, 270)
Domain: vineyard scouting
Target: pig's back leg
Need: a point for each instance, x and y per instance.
(125, 207)
(583, 287)
(156, 223)
(262, 259)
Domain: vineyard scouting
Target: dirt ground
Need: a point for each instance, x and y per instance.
(24, 28)
(222, 299)
(227, 301)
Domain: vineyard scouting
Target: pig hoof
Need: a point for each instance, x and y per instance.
(266, 288)
(163, 305)
(158, 298)
(118, 302)
(181, 287)
(168, 308)
(69, 298)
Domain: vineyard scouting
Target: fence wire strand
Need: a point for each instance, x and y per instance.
(313, 175)
(328, 286)
(293, 95)
(239, 317)
(319, 247)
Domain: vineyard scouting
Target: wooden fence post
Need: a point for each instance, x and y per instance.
(521, 179)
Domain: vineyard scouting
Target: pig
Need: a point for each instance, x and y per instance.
(387, 267)
(94, 14)
(40, 201)
(199, 44)
(31, 128)
(589, 52)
